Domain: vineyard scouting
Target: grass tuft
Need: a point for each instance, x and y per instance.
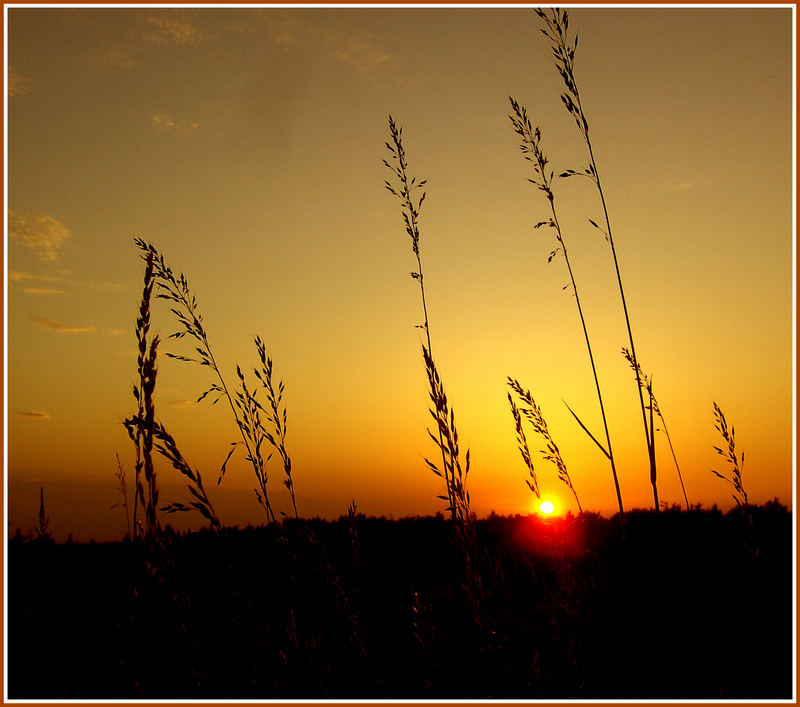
(729, 454)
(447, 440)
(535, 417)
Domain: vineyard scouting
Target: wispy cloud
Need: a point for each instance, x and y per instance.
(34, 414)
(675, 184)
(364, 56)
(41, 291)
(164, 123)
(41, 233)
(18, 85)
(181, 403)
(120, 58)
(19, 276)
(167, 30)
(164, 29)
(51, 325)
(358, 51)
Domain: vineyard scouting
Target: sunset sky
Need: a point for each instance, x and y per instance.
(247, 145)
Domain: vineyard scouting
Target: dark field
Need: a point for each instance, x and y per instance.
(685, 606)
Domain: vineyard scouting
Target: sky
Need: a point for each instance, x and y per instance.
(247, 144)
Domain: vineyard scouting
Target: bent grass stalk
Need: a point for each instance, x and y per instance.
(648, 385)
(447, 436)
(277, 416)
(556, 25)
(166, 446)
(536, 418)
(530, 146)
(524, 449)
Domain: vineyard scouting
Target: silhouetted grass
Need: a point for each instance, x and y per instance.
(122, 487)
(524, 449)
(140, 426)
(148, 433)
(556, 29)
(530, 146)
(654, 406)
(166, 445)
(43, 533)
(446, 437)
(248, 413)
(729, 454)
(551, 452)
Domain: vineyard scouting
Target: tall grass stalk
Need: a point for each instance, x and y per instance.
(654, 406)
(729, 454)
(530, 146)
(556, 26)
(551, 452)
(140, 427)
(446, 438)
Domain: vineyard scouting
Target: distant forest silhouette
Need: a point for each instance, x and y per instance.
(688, 606)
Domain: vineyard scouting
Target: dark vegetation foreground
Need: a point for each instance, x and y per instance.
(687, 605)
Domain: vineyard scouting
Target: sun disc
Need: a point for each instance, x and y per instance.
(546, 507)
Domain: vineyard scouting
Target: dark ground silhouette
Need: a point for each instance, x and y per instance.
(686, 606)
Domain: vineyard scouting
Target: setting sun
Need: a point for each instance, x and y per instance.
(546, 508)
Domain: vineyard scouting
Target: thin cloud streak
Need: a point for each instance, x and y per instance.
(674, 184)
(181, 403)
(34, 414)
(42, 291)
(164, 123)
(20, 276)
(51, 325)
